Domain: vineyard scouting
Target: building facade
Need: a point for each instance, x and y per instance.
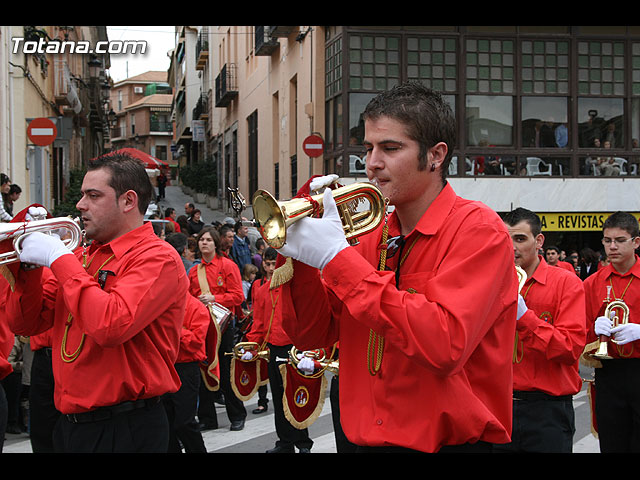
(548, 117)
(42, 75)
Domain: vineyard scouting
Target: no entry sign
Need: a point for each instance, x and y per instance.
(313, 145)
(42, 131)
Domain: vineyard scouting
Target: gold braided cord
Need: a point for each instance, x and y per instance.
(66, 357)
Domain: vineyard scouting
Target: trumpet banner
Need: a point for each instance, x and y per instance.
(248, 376)
(303, 396)
(210, 368)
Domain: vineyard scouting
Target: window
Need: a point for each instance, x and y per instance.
(357, 103)
(544, 122)
(374, 62)
(489, 120)
(490, 66)
(433, 61)
(545, 66)
(600, 120)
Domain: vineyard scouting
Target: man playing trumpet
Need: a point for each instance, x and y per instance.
(115, 331)
(425, 320)
(617, 399)
(550, 336)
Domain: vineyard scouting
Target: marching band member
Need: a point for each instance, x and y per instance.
(115, 331)
(550, 336)
(217, 279)
(267, 326)
(617, 389)
(433, 326)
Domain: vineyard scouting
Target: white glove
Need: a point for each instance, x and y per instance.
(35, 213)
(603, 326)
(626, 333)
(319, 182)
(246, 356)
(41, 249)
(522, 307)
(306, 365)
(315, 241)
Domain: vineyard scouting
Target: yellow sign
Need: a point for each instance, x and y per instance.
(575, 221)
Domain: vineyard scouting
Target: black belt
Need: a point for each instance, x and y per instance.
(105, 413)
(532, 396)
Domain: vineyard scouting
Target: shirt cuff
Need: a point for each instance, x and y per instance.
(346, 271)
(65, 267)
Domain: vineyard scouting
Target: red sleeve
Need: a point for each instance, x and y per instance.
(30, 308)
(258, 327)
(194, 331)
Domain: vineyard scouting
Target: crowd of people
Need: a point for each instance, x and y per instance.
(457, 331)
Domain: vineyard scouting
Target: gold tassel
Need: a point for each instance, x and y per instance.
(6, 273)
(282, 274)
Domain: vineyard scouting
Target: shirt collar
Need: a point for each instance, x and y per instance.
(540, 273)
(121, 245)
(634, 270)
(435, 215)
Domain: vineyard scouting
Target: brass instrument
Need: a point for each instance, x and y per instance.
(240, 348)
(610, 312)
(18, 230)
(273, 218)
(331, 365)
(522, 277)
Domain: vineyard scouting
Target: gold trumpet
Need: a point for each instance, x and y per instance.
(273, 218)
(240, 348)
(610, 312)
(18, 230)
(331, 365)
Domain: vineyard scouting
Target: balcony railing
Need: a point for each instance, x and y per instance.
(202, 49)
(226, 87)
(265, 43)
(159, 126)
(201, 110)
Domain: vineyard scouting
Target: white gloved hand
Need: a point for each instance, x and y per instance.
(522, 307)
(306, 365)
(626, 333)
(315, 241)
(246, 356)
(41, 249)
(603, 326)
(35, 213)
(324, 181)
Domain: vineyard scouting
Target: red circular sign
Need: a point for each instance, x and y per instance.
(42, 131)
(313, 145)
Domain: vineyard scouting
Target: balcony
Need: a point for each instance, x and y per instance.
(201, 110)
(202, 49)
(265, 44)
(160, 126)
(226, 87)
(282, 32)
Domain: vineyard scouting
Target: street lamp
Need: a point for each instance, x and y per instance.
(94, 67)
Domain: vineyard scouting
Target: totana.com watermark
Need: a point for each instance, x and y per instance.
(20, 45)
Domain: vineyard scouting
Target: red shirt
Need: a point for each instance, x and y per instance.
(267, 315)
(550, 336)
(197, 320)
(6, 335)
(625, 286)
(224, 280)
(566, 266)
(132, 326)
(446, 375)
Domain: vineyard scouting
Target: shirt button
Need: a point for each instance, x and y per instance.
(379, 421)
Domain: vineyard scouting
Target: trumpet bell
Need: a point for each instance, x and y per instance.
(273, 218)
(610, 312)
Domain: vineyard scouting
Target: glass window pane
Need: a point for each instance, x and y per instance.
(544, 122)
(601, 119)
(357, 104)
(489, 119)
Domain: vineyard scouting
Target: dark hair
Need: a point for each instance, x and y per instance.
(4, 179)
(214, 234)
(127, 173)
(225, 228)
(624, 221)
(178, 241)
(270, 254)
(169, 211)
(14, 189)
(522, 214)
(552, 247)
(427, 116)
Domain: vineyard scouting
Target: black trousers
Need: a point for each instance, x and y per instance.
(343, 445)
(288, 435)
(143, 430)
(617, 405)
(4, 411)
(43, 414)
(541, 424)
(181, 408)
